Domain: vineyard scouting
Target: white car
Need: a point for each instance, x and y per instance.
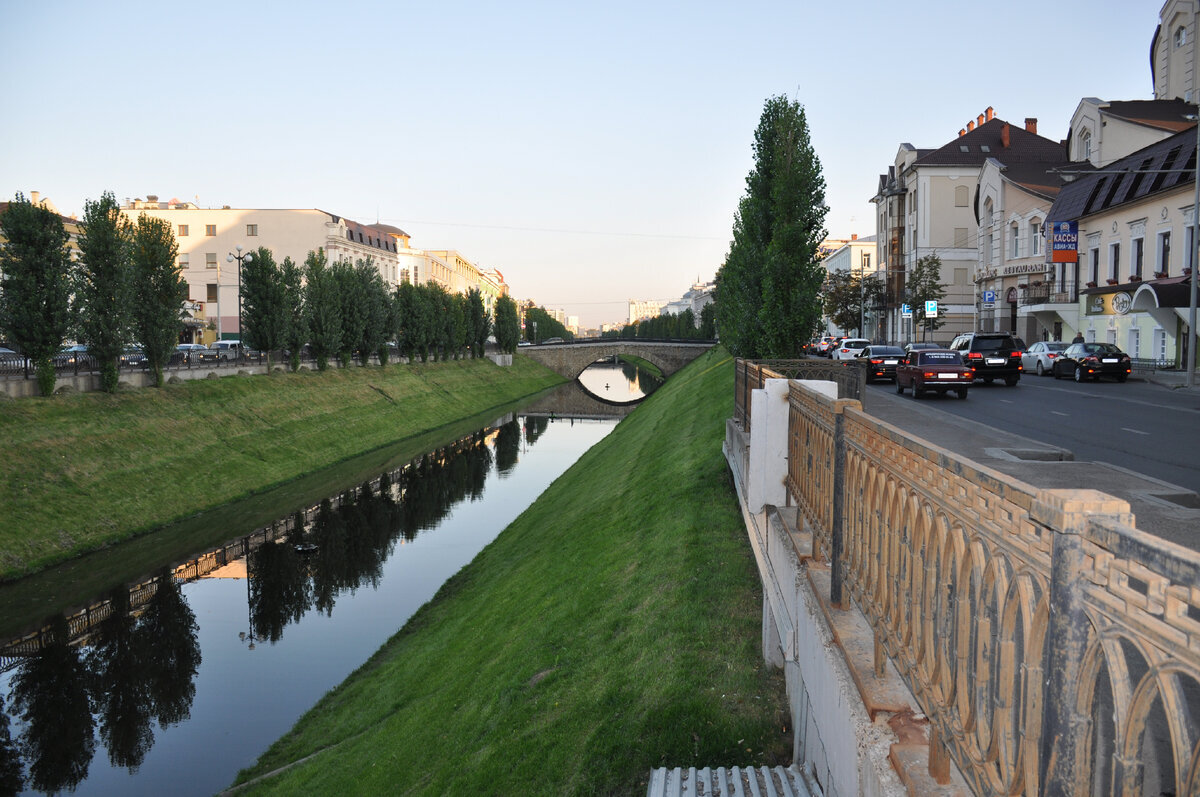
(1039, 358)
(849, 348)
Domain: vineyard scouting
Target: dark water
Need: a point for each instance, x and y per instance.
(619, 382)
(209, 667)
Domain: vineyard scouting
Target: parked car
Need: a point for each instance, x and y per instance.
(1092, 361)
(552, 340)
(1040, 357)
(849, 348)
(881, 361)
(826, 345)
(132, 357)
(936, 370)
(69, 356)
(918, 345)
(226, 349)
(991, 355)
(10, 360)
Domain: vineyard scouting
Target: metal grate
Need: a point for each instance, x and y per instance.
(734, 782)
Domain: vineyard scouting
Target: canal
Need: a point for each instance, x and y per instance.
(174, 683)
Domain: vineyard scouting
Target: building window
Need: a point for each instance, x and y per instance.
(1135, 343)
(1014, 238)
(1137, 255)
(212, 292)
(1035, 237)
(210, 229)
(962, 196)
(1189, 246)
(1085, 145)
(960, 237)
(210, 259)
(1180, 36)
(1164, 252)
(251, 229)
(349, 235)
(1114, 260)
(183, 260)
(1160, 345)
(183, 230)
(1094, 264)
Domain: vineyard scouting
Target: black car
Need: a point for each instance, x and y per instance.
(1092, 361)
(881, 361)
(991, 355)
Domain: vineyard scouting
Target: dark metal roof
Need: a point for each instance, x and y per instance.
(987, 141)
(1161, 114)
(1162, 166)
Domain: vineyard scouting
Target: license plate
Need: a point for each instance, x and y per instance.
(947, 376)
(890, 362)
(995, 361)
(1109, 360)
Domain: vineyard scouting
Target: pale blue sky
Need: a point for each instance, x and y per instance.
(593, 152)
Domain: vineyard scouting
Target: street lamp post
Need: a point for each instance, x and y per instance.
(240, 258)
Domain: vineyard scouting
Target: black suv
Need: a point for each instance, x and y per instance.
(991, 355)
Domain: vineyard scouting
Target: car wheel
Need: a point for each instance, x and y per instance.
(1078, 374)
(1011, 381)
(916, 391)
(899, 387)
(1054, 372)
(962, 393)
(1041, 371)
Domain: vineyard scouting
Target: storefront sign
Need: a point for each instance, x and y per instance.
(1064, 242)
(1027, 268)
(1108, 303)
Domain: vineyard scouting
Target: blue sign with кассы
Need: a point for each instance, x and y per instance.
(1064, 242)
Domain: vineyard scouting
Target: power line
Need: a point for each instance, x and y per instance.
(555, 230)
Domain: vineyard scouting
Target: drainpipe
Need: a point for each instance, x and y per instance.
(1191, 363)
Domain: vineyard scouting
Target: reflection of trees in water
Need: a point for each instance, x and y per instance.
(534, 427)
(136, 670)
(49, 693)
(142, 668)
(508, 446)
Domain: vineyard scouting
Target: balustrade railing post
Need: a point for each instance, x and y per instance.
(1064, 730)
(839, 509)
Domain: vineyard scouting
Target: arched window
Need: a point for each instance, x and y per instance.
(962, 196)
(1181, 36)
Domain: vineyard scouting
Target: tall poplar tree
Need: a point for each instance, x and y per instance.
(768, 289)
(35, 285)
(507, 325)
(291, 276)
(265, 310)
(479, 325)
(323, 308)
(103, 292)
(158, 290)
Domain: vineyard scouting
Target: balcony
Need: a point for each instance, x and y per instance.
(1049, 293)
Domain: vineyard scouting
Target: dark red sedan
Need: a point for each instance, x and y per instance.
(934, 370)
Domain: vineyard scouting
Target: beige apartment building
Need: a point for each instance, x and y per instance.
(208, 236)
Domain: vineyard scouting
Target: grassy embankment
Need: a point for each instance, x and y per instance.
(612, 628)
(82, 471)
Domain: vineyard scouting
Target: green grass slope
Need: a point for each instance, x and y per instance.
(612, 628)
(78, 472)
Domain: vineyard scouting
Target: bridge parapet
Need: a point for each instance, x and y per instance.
(1049, 642)
(571, 359)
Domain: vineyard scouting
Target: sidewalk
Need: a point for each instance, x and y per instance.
(1176, 380)
(1160, 508)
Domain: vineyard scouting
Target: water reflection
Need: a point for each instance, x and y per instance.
(132, 659)
(619, 381)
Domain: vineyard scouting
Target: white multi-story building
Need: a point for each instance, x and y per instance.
(207, 236)
(858, 257)
(644, 308)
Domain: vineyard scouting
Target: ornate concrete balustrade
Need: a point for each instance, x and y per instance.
(1052, 645)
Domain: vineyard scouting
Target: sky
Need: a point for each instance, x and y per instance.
(591, 152)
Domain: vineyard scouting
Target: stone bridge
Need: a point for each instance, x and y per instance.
(570, 359)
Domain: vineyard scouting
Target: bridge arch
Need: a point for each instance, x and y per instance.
(571, 359)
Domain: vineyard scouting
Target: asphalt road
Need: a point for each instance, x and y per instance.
(1139, 426)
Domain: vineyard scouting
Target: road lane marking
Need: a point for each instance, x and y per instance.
(1135, 431)
(1064, 414)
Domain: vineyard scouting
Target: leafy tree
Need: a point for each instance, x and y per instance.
(478, 323)
(295, 335)
(119, 688)
(547, 325)
(768, 288)
(12, 777)
(708, 322)
(266, 312)
(848, 297)
(457, 324)
(924, 284)
(376, 311)
(158, 290)
(103, 294)
(323, 309)
(352, 301)
(508, 330)
(171, 654)
(35, 285)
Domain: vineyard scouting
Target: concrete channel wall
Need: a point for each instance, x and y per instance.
(946, 628)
